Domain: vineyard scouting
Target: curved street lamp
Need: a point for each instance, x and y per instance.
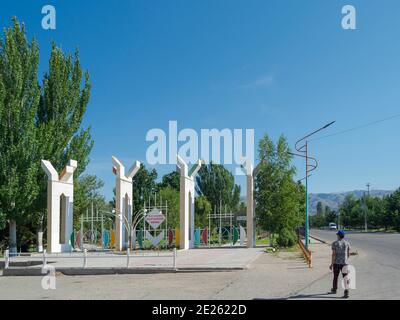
(303, 152)
(128, 224)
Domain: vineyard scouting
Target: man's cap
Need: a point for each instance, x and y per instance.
(340, 233)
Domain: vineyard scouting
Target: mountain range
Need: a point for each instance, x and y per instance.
(335, 199)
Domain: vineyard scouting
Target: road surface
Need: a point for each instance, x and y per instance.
(377, 267)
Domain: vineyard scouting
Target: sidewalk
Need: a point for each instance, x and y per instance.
(262, 276)
(279, 275)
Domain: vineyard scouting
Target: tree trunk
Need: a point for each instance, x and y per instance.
(40, 236)
(40, 241)
(13, 236)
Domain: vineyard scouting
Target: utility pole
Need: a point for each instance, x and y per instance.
(365, 212)
(366, 208)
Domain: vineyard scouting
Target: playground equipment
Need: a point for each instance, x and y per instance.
(154, 218)
(60, 201)
(96, 230)
(187, 202)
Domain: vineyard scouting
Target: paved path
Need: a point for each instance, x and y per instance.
(377, 267)
(270, 276)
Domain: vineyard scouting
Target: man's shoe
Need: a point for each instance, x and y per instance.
(346, 294)
(333, 291)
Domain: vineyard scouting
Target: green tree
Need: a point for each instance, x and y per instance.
(376, 211)
(170, 180)
(37, 123)
(393, 210)
(351, 212)
(171, 197)
(217, 184)
(278, 197)
(202, 210)
(144, 187)
(19, 100)
(330, 216)
(59, 119)
(87, 191)
(320, 208)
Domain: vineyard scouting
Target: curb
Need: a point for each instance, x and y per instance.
(14, 272)
(320, 240)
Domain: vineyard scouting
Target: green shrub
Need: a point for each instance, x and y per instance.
(286, 238)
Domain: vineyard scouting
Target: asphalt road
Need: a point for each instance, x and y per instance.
(377, 277)
(377, 267)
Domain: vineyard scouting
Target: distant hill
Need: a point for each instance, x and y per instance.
(334, 200)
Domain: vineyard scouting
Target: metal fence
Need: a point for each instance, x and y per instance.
(85, 257)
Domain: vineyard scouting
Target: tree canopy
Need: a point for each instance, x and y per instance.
(279, 199)
(217, 184)
(37, 122)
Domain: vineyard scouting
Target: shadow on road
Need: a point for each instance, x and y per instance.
(326, 295)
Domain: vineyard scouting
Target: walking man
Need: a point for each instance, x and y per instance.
(340, 256)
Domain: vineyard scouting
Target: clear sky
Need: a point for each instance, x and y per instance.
(277, 66)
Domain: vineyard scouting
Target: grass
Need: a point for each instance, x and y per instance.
(290, 253)
(264, 241)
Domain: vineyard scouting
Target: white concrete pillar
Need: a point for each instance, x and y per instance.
(60, 204)
(250, 207)
(123, 202)
(187, 214)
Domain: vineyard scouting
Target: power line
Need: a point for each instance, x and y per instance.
(357, 127)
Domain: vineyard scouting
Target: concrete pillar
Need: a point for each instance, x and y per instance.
(123, 202)
(187, 213)
(250, 207)
(60, 203)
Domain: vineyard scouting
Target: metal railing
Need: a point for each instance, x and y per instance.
(306, 252)
(85, 257)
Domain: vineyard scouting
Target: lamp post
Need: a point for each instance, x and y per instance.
(303, 149)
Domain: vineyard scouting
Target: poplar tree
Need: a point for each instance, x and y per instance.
(19, 100)
(217, 184)
(37, 123)
(280, 200)
(59, 118)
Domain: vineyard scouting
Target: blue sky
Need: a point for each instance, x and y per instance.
(277, 66)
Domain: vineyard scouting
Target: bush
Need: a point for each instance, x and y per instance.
(286, 238)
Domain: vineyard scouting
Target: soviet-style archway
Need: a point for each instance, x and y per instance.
(60, 204)
(187, 181)
(123, 201)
